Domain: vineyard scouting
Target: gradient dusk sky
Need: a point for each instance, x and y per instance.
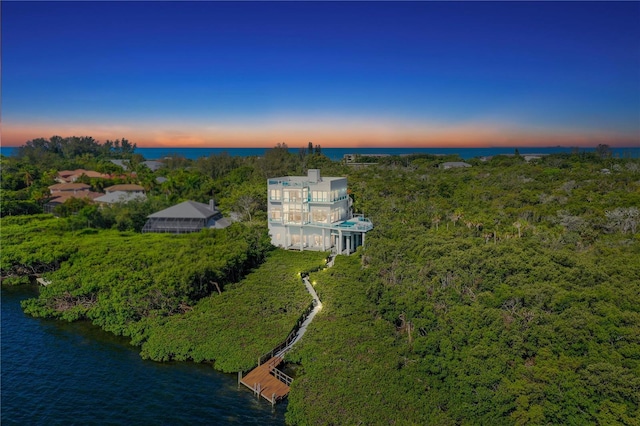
(351, 74)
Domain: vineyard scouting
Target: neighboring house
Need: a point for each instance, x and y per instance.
(349, 158)
(70, 176)
(352, 158)
(122, 194)
(186, 217)
(61, 192)
(151, 164)
(120, 197)
(121, 163)
(129, 187)
(529, 157)
(314, 213)
(454, 165)
(69, 188)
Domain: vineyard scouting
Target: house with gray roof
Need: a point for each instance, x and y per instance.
(122, 194)
(153, 165)
(127, 187)
(186, 217)
(454, 165)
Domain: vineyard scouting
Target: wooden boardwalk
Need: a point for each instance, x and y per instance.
(267, 381)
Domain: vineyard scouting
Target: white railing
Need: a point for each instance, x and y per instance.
(287, 380)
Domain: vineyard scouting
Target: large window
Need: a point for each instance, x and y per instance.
(320, 215)
(276, 215)
(292, 213)
(338, 194)
(292, 196)
(335, 215)
(274, 195)
(321, 196)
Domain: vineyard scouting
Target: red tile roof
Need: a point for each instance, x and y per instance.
(69, 187)
(124, 187)
(72, 175)
(64, 196)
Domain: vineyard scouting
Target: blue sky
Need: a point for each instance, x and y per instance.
(336, 73)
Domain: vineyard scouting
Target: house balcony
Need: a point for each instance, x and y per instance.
(356, 223)
(326, 200)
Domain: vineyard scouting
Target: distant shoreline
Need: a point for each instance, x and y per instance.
(337, 154)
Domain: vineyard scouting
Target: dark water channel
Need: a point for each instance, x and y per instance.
(58, 373)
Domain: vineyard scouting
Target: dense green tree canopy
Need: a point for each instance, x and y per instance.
(505, 293)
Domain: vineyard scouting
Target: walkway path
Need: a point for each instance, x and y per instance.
(317, 306)
(266, 380)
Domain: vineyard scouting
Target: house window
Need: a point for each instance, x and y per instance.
(274, 195)
(320, 215)
(321, 196)
(276, 215)
(335, 215)
(338, 194)
(292, 213)
(292, 196)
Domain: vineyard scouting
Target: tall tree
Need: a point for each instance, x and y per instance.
(603, 151)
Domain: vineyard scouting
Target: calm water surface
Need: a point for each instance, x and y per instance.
(336, 154)
(58, 373)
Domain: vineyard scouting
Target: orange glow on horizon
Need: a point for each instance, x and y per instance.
(360, 135)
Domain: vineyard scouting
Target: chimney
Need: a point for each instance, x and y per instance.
(313, 175)
(212, 205)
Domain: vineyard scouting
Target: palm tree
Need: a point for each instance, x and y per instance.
(456, 215)
(28, 178)
(518, 225)
(436, 220)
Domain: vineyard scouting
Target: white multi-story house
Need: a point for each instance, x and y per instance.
(314, 213)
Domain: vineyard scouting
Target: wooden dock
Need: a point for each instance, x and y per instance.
(267, 381)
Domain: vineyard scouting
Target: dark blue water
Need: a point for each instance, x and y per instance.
(338, 153)
(58, 373)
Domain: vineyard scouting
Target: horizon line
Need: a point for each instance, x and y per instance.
(369, 147)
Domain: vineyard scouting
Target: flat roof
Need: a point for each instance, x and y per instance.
(302, 180)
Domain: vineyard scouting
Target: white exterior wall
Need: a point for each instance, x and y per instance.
(290, 237)
(302, 209)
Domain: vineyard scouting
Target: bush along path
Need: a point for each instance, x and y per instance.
(266, 380)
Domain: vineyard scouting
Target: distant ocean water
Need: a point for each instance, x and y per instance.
(338, 153)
